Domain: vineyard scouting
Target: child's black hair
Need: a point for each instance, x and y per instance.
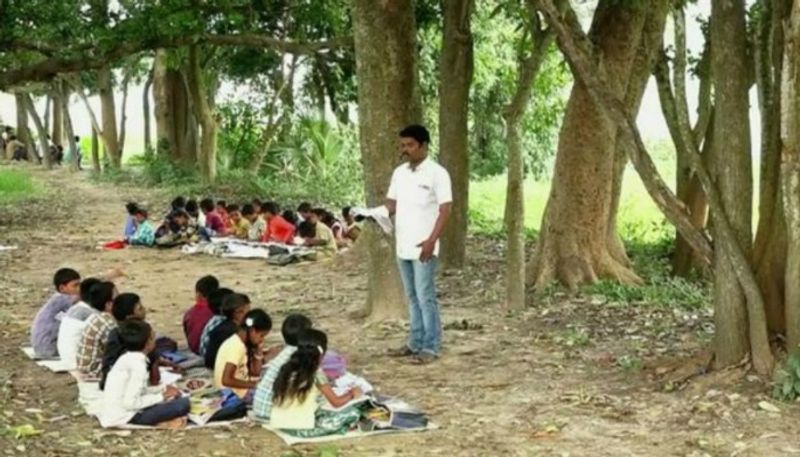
(304, 207)
(222, 203)
(290, 216)
(307, 229)
(346, 212)
(233, 207)
(324, 216)
(100, 294)
(293, 326)
(296, 377)
(142, 212)
(248, 209)
(124, 305)
(217, 298)
(133, 334)
(132, 207)
(86, 286)
(256, 202)
(65, 276)
(178, 203)
(207, 204)
(192, 208)
(258, 320)
(205, 285)
(232, 302)
(270, 207)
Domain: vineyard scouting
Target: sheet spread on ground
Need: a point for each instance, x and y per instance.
(240, 249)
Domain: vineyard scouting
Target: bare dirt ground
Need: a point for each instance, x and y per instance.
(569, 376)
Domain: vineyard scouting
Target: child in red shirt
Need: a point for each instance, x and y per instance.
(196, 317)
(279, 230)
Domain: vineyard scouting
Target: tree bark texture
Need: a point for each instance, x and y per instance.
(108, 115)
(207, 160)
(176, 125)
(455, 79)
(572, 246)
(95, 151)
(23, 131)
(41, 132)
(123, 117)
(146, 111)
(389, 99)
(790, 170)
(69, 131)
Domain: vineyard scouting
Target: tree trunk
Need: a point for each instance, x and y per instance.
(58, 122)
(790, 169)
(579, 52)
(650, 43)
(23, 132)
(176, 126)
(455, 78)
(148, 134)
(123, 118)
(108, 114)
(207, 160)
(389, 99)
(41, 132)
(734, 178)
(514, 218)
(572, 246)
(770, 247)
(68, 130)
(46, 118)
(95, 151)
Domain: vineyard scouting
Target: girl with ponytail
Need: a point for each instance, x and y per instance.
(300, 383)
(240, 358)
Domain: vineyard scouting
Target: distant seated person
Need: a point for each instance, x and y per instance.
(178, 203)
(145, 234)
(222, 210)
(194, 211)
(304, 211)
(239, 226)
(327, 218)
(278, 229)
(352, 228)
(178, 228)
(258, 226)
(130, 223)
(256, 205)
(15, 149)
(215, 225)
(319, 236)
(291, 217)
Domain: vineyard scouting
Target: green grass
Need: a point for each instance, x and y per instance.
(16, 185)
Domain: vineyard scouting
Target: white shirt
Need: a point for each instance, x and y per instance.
(127, 391)
(419, 193)
(70, 332)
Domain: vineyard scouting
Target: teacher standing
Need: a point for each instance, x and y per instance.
(420, 197)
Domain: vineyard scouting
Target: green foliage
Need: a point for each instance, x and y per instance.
(630, 363)
(16, 185)
(240, 136)
(787, 387)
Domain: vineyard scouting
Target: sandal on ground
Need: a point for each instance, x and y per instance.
(403, 351)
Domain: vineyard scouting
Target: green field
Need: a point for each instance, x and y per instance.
(15, 184)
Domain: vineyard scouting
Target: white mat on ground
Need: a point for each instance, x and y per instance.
(231, 248)
(353, 434)
(55, 365)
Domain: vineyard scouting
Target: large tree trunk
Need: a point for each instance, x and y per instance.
(148, 131)
(770, 248)
(69, 131)
(58, 123)
(108, 114)
(207, 160)
(41, 132)
(95, 151)
(176, 126)
(646, 54)
(455, 78)
(732, 173)
(573, 247)
(389, 99)
(790, 169)
(514, 218)
(23, 132)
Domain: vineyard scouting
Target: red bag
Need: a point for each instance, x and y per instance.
(114, 245)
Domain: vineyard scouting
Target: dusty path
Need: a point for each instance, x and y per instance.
(539, 382)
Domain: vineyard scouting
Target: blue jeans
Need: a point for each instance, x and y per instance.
(423, 309)
(162, 412)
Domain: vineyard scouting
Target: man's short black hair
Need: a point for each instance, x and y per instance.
(416, 132)
(304, 207)
(270, 207)
(124, 306)
(65, 276)
(205, 285)
(293, 326)
(207, 204)
(248, 209)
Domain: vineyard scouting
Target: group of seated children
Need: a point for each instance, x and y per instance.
(104, 336)
(188, 221)
(283, 384)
